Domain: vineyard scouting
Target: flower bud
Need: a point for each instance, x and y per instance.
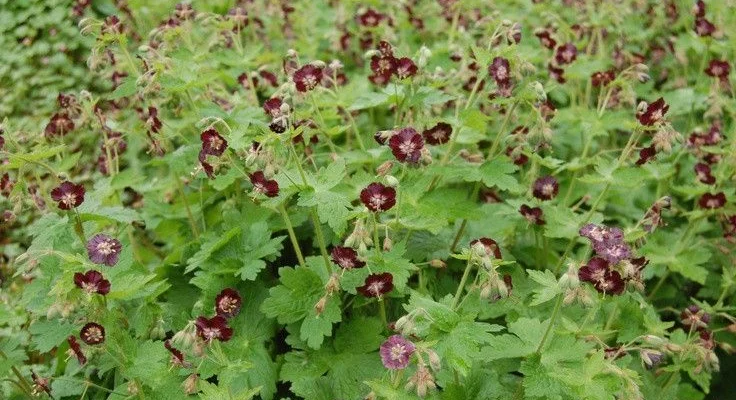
(437, 263)
(190, 384)
(434, 360)
(384, 168)
(320, 306)
(651, 358)
(387, 244)
(391, 181)
(655, 341)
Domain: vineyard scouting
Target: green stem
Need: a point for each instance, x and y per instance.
(190, 216)
(552, 321)
(464, 223)
(376, 240)
(320, 239)
(292, 235)
(499, 135)
(461, 286)
(382, 311)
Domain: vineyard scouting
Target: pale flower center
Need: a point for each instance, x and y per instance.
(69, 199)
(377, 201)
(407, 147)
(105, 248)
(397, 352)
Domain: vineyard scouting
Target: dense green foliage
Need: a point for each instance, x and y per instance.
(291, 194)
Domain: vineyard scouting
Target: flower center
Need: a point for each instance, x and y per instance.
(228, 304)
(376, 288)
(397, 352)
(105, 248)
(69, 199)
(407, 147)
(93, 334)
(211, 333)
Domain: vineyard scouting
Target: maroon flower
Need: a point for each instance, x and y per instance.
(177, 357)
(545, 188)
(346, 257)
(377, 285)
(68, 195)
(534, 215)
(213, 143)
(718, 68)
(272, 107)
(703, 173)
(2, 142)
(370, 18)
(602, 234)
(396, 352)
(407, 145)
(703, 27)
(612, 252)
(646, 154)
(438, 134)
(712, 201)
(602, 78)
(59, 125)
(654, 112)
(556, 73)
(6, 184)
(92, 333)
(405, 68)
(307, 77)
(489, 245)
(566, 54)
(694, 317)
(76, 350)
(545, 37)
(378, 197)
(500, 70)
(605, 280)
(228, 303)
(103, 249)
(384, 65)
(269, 77)
(92, 282)
(152, 122)
(269, 187)
(213, 328)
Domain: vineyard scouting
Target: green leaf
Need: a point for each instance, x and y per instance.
(49, 334)
(549, 286)
(126, 88)
(368, 100)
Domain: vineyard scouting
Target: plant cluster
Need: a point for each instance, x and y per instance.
(450, 199)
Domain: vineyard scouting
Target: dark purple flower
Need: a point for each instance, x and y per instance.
(272, 106)
(703, 173)
(603, 278)
(694, 317)
(103, 249)
(500, 70)
(646, 154)
(228, 303)
(490, 246)
(712, 201)
(654, 112)
(346, 257)
(566, 54)
(545, 37)
(378, 197)
(396, 352)
(92, 333)
(703, 27)
(370, 18)
(376, 285)
(438, 134)
(407, 145)
(68, 195)
(59, 125)
(307, 77)
(405, 68)
(612, 252)
(384, 65)
(556, 73)
(545, 188)
(602, 234)
(213, 328)
(152, 122)
(269, 77)
(76, 350)
(718, 68)
(269, 187)
(177, 357)
(213, 143)
(92, 282)
(602, 78)
(534, 215)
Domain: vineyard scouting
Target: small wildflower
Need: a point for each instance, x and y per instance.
(718, 69)
(92, 282)
(377, 285)
(346, 257)
(396, 352)
(500, 70)
(405, 68)
(213, 143)
(712, 201)
(438, 134)
(378, 197)
(703, 173)
(269, 187)
(177, 357)
(213, 328)
(76, 350)
(103, 249)
(407, 145)
(693, 317)
(603, 278)
(566, 54)
(654, 112)
(68, 195)
(534, 215)
(545, 188)
(307, 78)
(228, 303)
(489, 246)
(92, 333)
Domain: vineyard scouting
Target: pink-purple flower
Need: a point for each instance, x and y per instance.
(103, 249)
(396, 352)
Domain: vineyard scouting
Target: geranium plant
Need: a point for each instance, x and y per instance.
(324, 200)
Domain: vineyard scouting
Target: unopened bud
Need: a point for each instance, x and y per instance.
(437, 263)
(391, 181)
(388, 244)
(190, 384)
(434, 360)
(384, 168)
(320, 306)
